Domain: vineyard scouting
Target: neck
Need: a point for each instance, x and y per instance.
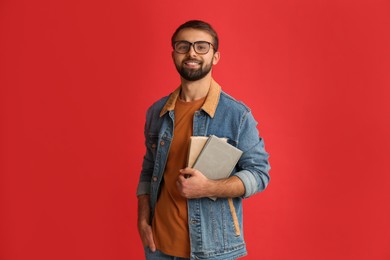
(194, 90)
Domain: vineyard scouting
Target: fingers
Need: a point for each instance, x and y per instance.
(147, 238)
(181, 178)
(181, 183)
(187, 170)
(151, 244)
(186, 173)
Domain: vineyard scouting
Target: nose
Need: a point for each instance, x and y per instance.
(192, 52)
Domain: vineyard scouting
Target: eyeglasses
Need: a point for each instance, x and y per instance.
(200, 47)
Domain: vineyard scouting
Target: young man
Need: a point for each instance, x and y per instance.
(176, 219)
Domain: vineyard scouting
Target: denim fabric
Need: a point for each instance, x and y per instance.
(158, 255)
(214, 234)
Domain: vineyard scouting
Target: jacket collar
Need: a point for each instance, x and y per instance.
(209, 106)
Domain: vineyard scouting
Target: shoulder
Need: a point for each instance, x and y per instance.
(155, 109)
(226, 101)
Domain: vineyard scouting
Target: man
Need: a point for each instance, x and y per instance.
(176, 217)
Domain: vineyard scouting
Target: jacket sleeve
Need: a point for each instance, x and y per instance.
(148, 162)
(253, 165)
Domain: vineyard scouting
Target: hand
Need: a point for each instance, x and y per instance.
(146, 234)
(193, 184)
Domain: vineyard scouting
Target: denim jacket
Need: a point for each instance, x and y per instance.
(215, 227)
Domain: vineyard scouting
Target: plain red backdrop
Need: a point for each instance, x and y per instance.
(77, 76)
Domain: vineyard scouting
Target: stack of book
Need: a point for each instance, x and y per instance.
(212, 156)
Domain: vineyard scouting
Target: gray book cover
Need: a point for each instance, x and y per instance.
(196, 145)
(217, 158)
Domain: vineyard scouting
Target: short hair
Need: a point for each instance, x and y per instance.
(199, 25)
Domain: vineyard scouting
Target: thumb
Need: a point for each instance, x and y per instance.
(152, 246)
(187, 172)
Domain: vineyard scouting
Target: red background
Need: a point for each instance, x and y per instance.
(77, 76)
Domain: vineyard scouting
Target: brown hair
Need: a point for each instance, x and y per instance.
(199, 25)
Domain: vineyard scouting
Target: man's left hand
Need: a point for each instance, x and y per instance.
(192, 184)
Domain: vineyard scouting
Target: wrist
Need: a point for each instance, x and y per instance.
(143, 223)
(211, 188)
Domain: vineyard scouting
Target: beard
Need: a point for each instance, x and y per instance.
(194, 74)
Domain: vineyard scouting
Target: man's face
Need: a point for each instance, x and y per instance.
(192, 66)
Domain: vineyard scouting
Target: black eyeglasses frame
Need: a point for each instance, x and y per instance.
(192, 44)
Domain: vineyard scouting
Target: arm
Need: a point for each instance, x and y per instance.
(253, 165)
(144, 227)
(199, 186)
(143, 191)
(251, 178)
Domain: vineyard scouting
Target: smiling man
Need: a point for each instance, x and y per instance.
(176, 217)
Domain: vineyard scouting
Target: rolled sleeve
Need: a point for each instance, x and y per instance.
(249, 182)
(143, 188)
(144, 183)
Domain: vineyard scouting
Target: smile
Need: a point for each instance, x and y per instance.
(192, 63)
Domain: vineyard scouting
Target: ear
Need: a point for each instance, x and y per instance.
(216, 57)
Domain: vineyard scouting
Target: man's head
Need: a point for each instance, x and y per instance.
(195, 44)
(198, 25)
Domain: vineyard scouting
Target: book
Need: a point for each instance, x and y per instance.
(215, 158)
(196, 145)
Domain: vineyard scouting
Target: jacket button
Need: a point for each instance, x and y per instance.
(162, 143)
(155, 178)
(154, 146)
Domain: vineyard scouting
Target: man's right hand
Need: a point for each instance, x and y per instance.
(144, 229)
(146, 234)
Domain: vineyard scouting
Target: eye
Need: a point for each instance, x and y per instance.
(182, 46)
(202, 47)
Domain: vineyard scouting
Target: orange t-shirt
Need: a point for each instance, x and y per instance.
(170, 222)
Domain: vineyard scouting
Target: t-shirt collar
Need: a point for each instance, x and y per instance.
(209, 106)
